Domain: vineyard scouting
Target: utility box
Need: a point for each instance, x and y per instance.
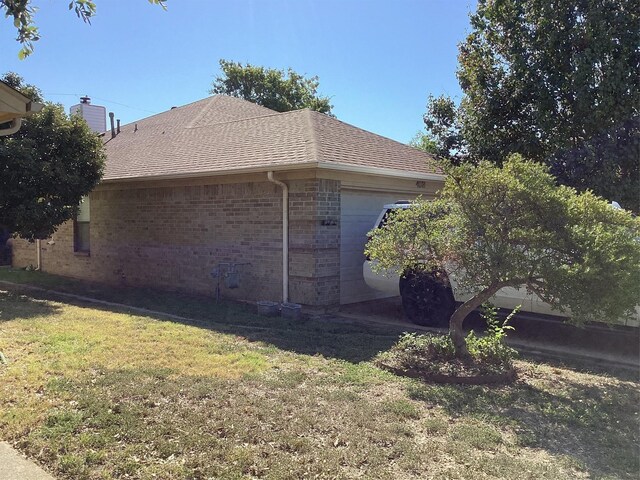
(232, 280)
(292, 310)
(268, 309)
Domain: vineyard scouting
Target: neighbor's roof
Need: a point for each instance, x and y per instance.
(222, 134)
(14, 104)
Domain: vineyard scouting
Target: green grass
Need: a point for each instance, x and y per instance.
(100, 393)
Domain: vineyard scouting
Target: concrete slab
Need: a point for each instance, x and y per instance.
(14, 466)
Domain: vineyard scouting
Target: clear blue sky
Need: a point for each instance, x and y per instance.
(377, 59)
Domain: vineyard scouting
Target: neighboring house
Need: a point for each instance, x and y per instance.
(202, 184)
(13, 107)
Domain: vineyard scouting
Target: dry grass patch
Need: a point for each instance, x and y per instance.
(94, 394)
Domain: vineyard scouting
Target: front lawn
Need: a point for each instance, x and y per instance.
(93, 392)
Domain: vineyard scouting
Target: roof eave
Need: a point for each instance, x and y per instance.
(380, 172)
(214, 173)
(339, 167)
(14, 104)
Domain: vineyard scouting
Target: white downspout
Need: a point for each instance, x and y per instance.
(285, 235)
(38, 255)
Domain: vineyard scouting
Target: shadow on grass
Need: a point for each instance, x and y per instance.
(23, 306)
(319, 336)
(595, 424)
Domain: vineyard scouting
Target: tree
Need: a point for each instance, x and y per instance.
(425, 142)
(272, 88)
(513, 226)
(443, 128)
(46, 168)
(23, 12)
(559, 83)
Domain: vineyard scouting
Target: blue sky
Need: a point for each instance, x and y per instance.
(378, 60)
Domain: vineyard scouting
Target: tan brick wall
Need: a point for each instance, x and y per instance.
(23, 253)
(314, 242)
(173, 237)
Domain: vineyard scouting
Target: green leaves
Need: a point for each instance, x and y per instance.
(275, 89)
(22, 12)
(45, 169)
(513, 226)
(557, 82)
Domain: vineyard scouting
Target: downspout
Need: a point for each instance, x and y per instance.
(285, 235)
(38, 255)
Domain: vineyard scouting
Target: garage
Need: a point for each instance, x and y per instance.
(359, 211)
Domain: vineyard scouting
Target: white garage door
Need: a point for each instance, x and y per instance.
(360, 209)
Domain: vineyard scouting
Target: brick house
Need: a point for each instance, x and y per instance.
(212, 181)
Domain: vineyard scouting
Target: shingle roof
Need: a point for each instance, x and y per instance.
(223, 134)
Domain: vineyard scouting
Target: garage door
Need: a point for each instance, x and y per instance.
(359, 211)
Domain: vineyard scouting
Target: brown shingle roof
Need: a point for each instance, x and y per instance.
(224, 134)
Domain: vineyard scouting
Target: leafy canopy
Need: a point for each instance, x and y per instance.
(559, 83)
(23, 12)
(495, 227)
(272, 88)
(424, 142)
(46, 168)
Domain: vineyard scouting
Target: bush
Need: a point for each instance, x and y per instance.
(431, 355)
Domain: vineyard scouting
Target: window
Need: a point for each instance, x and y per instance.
(81, 227)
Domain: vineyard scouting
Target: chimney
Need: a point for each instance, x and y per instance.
(94, 115)
(113, 128)
(118, 126)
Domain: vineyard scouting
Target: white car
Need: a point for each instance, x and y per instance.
(428, 302)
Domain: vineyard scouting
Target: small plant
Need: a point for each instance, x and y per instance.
(496, 328)
(422, 353)
(426, 346)
(491, 349)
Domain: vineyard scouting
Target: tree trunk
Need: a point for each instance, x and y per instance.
(457, 319)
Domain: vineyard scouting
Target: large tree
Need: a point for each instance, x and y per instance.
(558, 82)
(493, 227)
(278, 90)
(46, 168)
(22, 13)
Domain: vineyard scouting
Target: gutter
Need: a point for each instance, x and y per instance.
(285, 235)
(13, 127)
(16, 123)
(375, 171)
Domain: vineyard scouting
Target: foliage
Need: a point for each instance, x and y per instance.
(490, 349)
(425, 142)
(443, 127)
(558, 82)
(427, 354)
(272, 88)
(45, 169)
(16, 82)
(425, 347)
(436, 354)
(496, 328)
(22, 12)
(498, 227)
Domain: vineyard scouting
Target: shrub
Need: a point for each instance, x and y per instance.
(429, 354)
